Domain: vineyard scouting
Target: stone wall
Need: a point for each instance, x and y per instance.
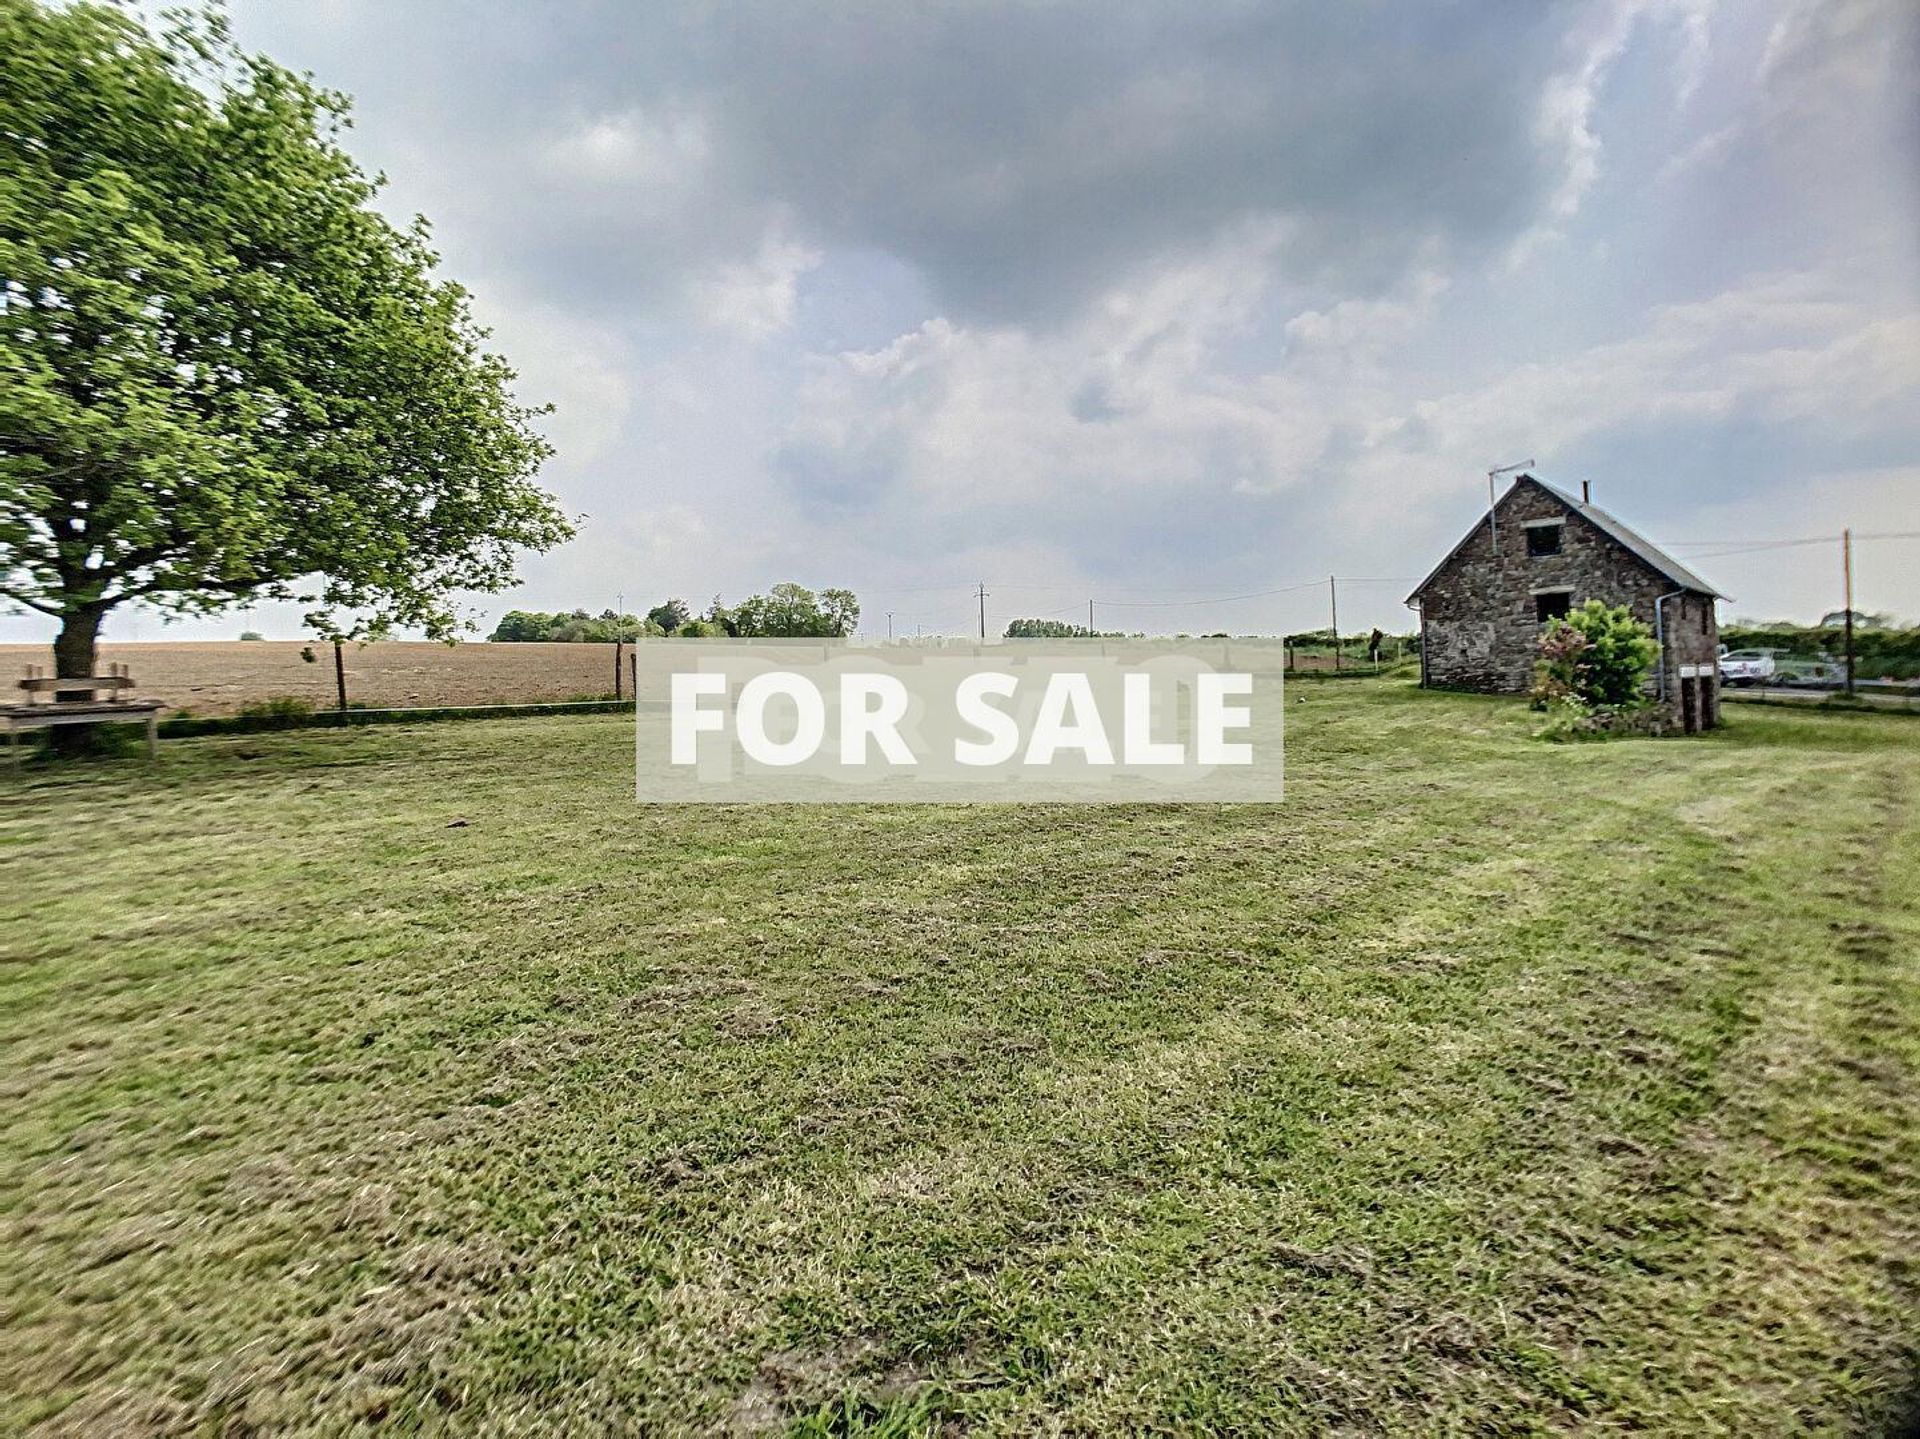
(1478, 615)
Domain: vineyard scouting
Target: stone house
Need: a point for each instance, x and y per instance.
(1538, 553)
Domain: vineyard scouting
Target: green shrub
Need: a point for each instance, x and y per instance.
(1598, 655)
(277, 712)
(1569, 720)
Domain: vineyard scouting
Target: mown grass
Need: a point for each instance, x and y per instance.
(417, 1077)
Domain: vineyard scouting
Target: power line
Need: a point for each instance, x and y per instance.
(1711, 548)
(1730, 547)
(1705, 550)
(1213, 600)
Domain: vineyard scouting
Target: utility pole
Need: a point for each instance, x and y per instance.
(889, 625)
(983, 612)
(1333, 602)
(1090, 629)
(1846, 566)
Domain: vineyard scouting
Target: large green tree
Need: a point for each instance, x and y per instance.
(790, 611)
(224, 376)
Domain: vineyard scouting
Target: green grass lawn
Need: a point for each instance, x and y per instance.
(418, 1076)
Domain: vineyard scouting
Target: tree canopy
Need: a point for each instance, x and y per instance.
(227, 377)
(790, 611)
(669, 615)
(1057, 630)
(570, 627)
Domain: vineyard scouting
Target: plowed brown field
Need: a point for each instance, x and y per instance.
(213, 677)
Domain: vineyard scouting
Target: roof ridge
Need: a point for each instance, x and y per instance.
(1645, 548)
(1629, 539)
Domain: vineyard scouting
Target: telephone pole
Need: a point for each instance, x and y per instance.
(1090, 629)
(1333, 603)
(1846, 568)
(983, 612)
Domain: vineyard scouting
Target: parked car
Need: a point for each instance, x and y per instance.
(1747, 667)
(1809, 671)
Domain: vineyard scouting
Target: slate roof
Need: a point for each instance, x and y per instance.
(1638, 545)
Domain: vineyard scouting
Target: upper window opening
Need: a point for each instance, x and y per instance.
(1543, 539)
(1553, 605)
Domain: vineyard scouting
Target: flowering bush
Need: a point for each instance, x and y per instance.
(1598, 656)
(1556, 667)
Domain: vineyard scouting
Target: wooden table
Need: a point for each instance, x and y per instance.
(64, 712)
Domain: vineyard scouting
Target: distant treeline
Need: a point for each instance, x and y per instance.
(1305, 639)
(787, 611)
(575, 627)
(1058, 630)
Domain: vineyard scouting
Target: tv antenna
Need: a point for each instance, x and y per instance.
(1493, 526)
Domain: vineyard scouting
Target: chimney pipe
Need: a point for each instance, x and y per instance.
(1586, 493)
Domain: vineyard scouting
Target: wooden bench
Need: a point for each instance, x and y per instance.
(37, 713)
(37, 685)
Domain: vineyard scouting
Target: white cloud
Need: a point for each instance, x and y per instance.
(948, 417)
(1564, 124)
(634, 148)
(583, 370)
(1783, 347)
(992, 428)
(755, 299)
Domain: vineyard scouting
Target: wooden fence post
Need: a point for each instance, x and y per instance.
(618, 650)
(340, 675)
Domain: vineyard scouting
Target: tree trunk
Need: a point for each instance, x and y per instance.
(76, 647)
(75, 653)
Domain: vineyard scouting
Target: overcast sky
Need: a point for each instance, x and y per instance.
(1148, 302)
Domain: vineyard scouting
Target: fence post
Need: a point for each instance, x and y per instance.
(340, 676)
(618, 649)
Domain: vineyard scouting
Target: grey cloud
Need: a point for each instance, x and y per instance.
(1094, 401)
(1021, 157)
(1343, 185)
(838, 480)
